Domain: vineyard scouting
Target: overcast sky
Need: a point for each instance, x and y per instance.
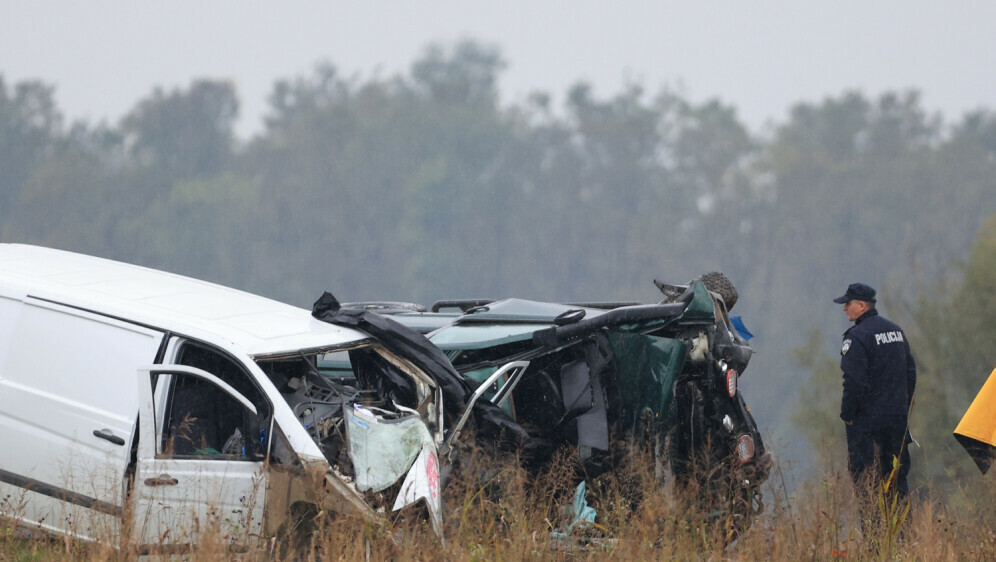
(759, 56)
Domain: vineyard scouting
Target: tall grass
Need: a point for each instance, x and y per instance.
(497, 511)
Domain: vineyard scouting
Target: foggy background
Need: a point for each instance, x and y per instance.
(760, 57)
(571, 151)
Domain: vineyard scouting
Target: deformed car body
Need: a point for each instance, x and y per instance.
(140, 404)
(604, 377)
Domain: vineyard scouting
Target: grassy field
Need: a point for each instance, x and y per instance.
(505, 514)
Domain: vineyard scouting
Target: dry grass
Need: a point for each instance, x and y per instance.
(496, 511)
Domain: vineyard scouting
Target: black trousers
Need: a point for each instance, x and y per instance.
(871, 446)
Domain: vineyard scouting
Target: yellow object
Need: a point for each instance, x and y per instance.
(977, 429)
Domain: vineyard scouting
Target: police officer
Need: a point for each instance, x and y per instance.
(879, 379)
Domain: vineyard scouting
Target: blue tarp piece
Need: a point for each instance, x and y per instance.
(579, 511)
(738, 323)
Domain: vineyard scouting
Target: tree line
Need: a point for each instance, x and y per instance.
(424, 186)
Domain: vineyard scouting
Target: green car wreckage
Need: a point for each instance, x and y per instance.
(598, 378)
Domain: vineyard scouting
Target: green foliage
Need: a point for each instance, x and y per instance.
(29, 126)
(207, 228)
(893, 513)
(61, 204)
(816, 412)
(467, 75)
(955, 355)
(183, 134)
(971, 319)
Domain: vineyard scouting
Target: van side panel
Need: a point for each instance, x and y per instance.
(9, 310)
(68, 407)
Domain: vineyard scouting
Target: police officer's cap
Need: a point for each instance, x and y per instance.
(857, 292)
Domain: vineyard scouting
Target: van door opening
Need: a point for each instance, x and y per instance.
(202, 469)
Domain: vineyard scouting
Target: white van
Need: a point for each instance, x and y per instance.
(137, 399)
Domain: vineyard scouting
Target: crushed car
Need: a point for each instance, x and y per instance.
(601, 377)
(177, 405)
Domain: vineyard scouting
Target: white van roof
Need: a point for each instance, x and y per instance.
(257, 325)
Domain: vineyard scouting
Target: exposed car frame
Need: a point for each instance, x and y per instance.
(601, 377)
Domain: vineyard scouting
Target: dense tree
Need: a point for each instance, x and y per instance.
(956, 331)
(184, 133)
(62, 204)
(467, 75)
(29, 125)
(856, 191)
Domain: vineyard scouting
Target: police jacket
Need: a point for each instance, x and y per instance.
(879, 372)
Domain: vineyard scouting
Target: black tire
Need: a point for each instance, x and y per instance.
(720, 284)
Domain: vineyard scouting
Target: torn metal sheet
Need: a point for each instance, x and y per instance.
(491, 422)
(383, 446)
(369, 411)
(422, 483)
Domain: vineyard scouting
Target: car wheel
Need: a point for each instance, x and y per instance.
(720, 284)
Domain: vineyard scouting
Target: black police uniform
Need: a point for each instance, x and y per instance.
(879, 380)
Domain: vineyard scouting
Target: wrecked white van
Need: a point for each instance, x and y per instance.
(137, 399)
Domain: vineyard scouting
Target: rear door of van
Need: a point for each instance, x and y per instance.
(68, 413)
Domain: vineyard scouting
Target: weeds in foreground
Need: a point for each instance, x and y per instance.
(498, 511)
(893, 511)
